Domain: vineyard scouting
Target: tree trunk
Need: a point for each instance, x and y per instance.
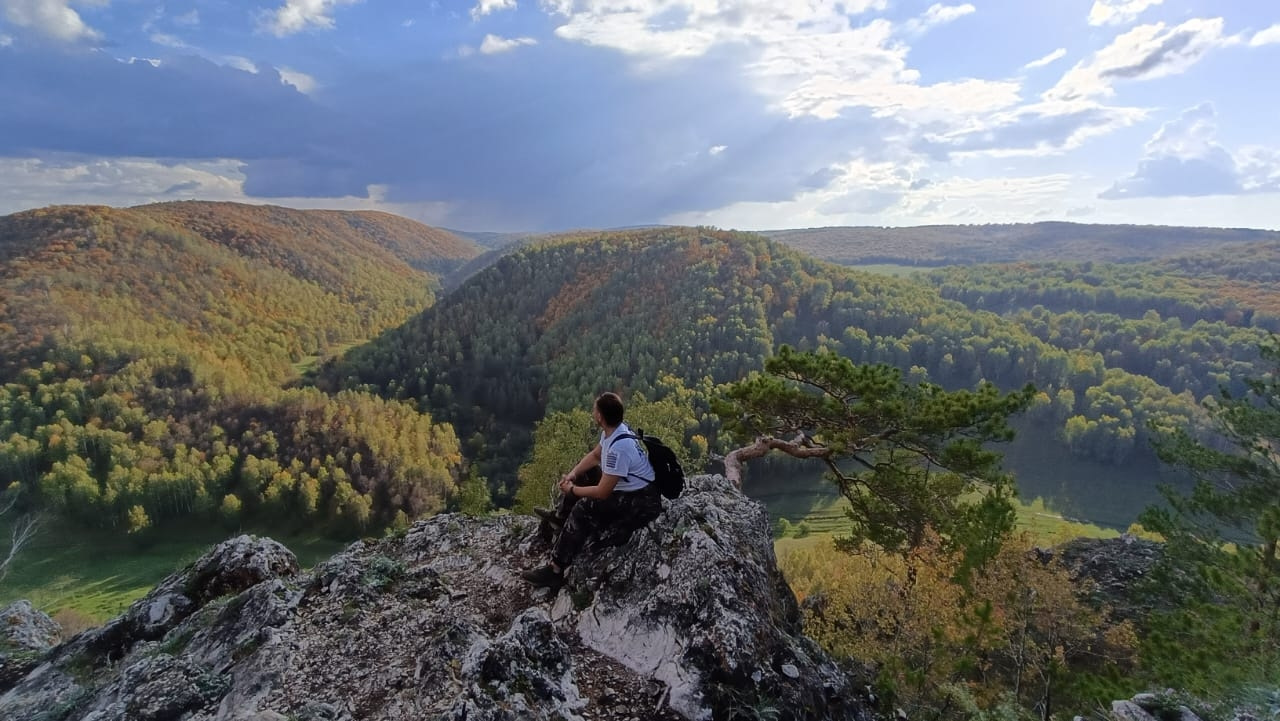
(763, 444)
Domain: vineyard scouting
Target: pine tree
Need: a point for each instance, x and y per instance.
(1224, 540)
(909, 458)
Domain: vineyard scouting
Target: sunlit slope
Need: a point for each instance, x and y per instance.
(934, 245)
(552, 324)
(253, 288)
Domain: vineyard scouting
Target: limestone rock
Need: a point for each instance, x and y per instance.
(24, 627)
(25, 634)
(689, 618)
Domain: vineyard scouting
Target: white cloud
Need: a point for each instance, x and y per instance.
(1118, 12)
(303, 82)
(1270, 36)
(189, 19)
(37, 182)
(807, 57)
(484, 7)
(237, 62)
(1184, 158)
(1035, 130)
(895, 193)
(168, 41)
(52, 18)
(493, 44)
(938, 14)
(717, 149)
(5, 40)
(298, 15)
(1051, 58)
(232, 61)
(1143, 53)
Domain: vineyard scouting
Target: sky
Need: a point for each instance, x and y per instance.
(504, 115)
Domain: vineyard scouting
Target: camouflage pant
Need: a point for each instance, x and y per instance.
(612, 519)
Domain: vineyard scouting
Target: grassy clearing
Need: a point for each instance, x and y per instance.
(1042, 523)
(799, 494)
(308, 365)
(98, 574)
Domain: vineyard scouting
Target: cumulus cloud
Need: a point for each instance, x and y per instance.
(808, 58)
(298, 15)
(1143, 53)
(5, 40)
(860, 192)
(485, 7)
(494, 44)
(1184, 158)
(1038, 129)
(188, 19)
(51, 18)
(499, 152)
(300, 80)
(189, 186)
(168, 41)
(32, 182)
(938, 14)
(1270, 36)
(1052, 57)
(717, 149)
(1118, 12)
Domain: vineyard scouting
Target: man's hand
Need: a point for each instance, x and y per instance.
(566, 482)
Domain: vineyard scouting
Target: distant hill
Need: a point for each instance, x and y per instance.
(146, 356)
(215, 277)
(490, 240)
(937, 245)
(556, 321)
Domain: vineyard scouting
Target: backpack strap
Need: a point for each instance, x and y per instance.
(632, 436)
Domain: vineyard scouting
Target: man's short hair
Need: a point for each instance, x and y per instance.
(610, 407)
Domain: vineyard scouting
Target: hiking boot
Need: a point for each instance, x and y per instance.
(553, 520)
(545, 576)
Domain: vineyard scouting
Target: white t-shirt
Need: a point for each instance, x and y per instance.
(625, 459)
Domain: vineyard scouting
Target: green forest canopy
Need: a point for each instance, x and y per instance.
(146, 353)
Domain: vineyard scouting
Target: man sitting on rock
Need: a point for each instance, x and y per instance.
(611, 490)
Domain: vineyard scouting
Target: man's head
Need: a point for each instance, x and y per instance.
(608, 410)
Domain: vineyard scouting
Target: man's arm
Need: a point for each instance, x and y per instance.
(589, 461)
(599, 492)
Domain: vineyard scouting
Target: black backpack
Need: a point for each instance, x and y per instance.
(667, 472)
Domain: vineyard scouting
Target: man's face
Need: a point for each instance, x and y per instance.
(595, 416)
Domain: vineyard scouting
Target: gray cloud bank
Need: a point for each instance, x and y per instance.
(535, 139)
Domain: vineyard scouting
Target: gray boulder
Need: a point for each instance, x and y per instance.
(689, 618)
(25, 634)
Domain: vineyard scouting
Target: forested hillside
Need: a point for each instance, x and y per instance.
(965, 244)
(650, 311)
(144, 355)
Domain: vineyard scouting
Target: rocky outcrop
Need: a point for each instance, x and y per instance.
(1173, 706)
(1122, 573)
(689, 618)
(25, 634)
